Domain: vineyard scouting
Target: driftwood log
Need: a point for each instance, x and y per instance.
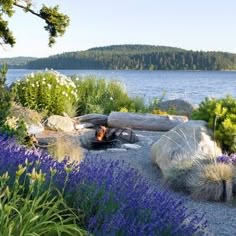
(141, 121)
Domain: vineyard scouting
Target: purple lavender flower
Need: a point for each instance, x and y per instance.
(227, 159)
(113, 197)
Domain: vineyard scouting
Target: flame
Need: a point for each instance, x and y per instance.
(101, 133)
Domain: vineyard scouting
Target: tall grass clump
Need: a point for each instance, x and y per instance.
(97, 95)
(49, 91)
(221, 117)
(212, 181)
(110, 197)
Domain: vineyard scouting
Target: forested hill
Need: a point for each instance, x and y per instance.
(16, 62)
(138, 57)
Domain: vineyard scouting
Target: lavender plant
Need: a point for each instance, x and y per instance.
(227, 158)
(113, 199)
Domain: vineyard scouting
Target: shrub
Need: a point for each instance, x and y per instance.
(15, 127)
(211, 181)
(47, 91)
(114, 198)
(96, 95)
(221, 117)
(5, 96)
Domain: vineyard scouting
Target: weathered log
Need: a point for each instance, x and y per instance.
(148, 122)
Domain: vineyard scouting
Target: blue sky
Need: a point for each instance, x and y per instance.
(208, 25)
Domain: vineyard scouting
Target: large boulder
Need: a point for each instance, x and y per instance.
(93, 118)
(148, 122)
(178, 106)
(188, 141)
(59, 123)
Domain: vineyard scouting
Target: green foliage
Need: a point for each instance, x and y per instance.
(221, 117)
(34, 210)
(48, 91)
(100, 96)
(138, 57)
(14, 127)
(5, 96)
(56, 22)
(9, 126)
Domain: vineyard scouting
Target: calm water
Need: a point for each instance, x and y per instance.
(193, 86)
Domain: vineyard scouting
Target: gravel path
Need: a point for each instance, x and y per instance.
(221, 216)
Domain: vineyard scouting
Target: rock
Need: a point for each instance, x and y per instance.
(83, 126)
(130, 146)
(35, 128)
(188, 141)
(116, 150)
(59, 123)
(95, 119)
(179, 107)
(144, 121)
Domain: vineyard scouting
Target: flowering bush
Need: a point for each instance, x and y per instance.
(47, 91)
(113, 198)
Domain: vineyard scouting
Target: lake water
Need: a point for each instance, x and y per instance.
(192, 86)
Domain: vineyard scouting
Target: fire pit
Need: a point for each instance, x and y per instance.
(111, 138)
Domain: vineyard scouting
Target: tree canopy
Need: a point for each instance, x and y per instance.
(56, 22)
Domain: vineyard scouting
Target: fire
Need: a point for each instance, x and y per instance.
(101, 133)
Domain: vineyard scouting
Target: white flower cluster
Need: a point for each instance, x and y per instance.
(63, 80)
(66, 83)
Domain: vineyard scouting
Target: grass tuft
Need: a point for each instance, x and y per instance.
(212, 181)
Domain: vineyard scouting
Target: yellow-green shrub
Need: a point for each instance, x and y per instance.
(221, 117)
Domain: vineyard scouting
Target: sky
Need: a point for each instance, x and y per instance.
(208, 25)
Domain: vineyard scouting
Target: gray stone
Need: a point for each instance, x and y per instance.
(189, 141)
(116, 150)
(144, 121)
(59, 123)
(143, 140)
(179, 106)
(83, 126)
(35, 128)
(94, 118)
(130, 146)
(96, 151)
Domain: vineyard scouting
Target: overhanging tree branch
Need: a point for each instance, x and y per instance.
(27, 9)
(56, 22)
